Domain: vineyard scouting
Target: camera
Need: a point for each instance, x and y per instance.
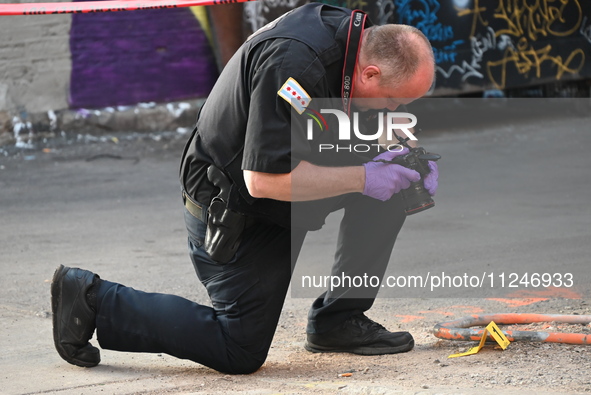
(416, 197)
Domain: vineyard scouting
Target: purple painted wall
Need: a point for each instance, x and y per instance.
(124, 58)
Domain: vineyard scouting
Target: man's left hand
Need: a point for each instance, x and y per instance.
(430, 180)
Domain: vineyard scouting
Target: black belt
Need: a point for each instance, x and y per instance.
(195, 208)
(200, 213)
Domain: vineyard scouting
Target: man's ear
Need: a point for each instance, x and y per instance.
(370, 72)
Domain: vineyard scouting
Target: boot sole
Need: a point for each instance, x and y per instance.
(56, 292)
(361, 350)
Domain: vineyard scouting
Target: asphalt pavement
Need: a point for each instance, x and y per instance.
(513, 199)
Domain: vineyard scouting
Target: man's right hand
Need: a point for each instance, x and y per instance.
(382, 180)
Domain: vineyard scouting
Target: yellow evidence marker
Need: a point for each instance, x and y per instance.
(496, 334)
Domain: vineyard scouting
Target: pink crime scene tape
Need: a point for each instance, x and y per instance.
(103, 6)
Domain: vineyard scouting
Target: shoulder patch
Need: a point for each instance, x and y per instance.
(294, 94)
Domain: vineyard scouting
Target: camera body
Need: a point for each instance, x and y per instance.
(416, 197)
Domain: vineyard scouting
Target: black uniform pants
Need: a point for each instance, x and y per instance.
(247, 294)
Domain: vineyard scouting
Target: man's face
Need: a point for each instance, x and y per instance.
(377, 95)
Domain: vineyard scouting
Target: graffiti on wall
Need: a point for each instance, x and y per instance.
(481, 44)
(537, 39)
(502, 44)
(123, 58)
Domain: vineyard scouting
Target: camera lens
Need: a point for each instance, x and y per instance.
(417, 198)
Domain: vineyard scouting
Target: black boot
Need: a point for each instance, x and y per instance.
(360, 335)
(74, 320)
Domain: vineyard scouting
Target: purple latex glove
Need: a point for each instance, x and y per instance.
(430, 180)
(382, 180)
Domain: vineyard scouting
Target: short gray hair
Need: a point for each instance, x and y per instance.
(393, 48)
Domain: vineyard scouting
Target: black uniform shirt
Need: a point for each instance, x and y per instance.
(245, 124)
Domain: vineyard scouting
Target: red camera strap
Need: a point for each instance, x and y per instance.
(356, 28)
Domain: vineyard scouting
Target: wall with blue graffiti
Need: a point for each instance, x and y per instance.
(53, 62)
(481, 45)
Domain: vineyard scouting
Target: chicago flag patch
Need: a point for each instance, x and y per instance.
(294, 94)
